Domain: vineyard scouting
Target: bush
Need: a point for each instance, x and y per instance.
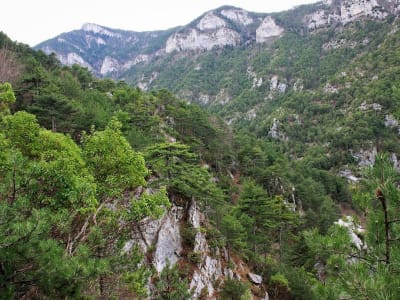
(233, 290)
(194, 257)
(188, 234)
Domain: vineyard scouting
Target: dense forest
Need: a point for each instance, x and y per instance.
(83, 161)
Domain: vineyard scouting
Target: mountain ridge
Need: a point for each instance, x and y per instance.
(114, 52)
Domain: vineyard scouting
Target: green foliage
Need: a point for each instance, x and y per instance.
(7, 97)
(56, 235)
(234, 233)
(188, 234)
(136, 275)
(149, 205)
(64, 207)
(171, 285)
(195, 257)
(115, 165)
(364, 273)
(178, 169)
(45, 189)
(233, 290)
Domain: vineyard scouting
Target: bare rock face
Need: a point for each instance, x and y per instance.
(254, 278)
(210, 22)
(70, 59)
(320, 18)
(162, 237)
(109, 65)
(209, 268)
(345, 11)
(239, 16)
(197, 40)
(97, 29)
(351, 10)
(366, 157)
(163, 234)
(169, 243)
(268, 29)
(354, 231)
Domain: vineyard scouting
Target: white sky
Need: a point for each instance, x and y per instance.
(34, 21)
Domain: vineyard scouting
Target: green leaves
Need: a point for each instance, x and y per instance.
(55, 234)
(7, 97)
(149, 205)
(115, 165)
(179, 170)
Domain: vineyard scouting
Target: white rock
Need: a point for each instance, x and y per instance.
(109, 65)
(257, 81)
(251, 114)
(273, 83)
(268, 29)
(317, 19)
(366, 157)
(169, 243)
(73, 58)
(298, 86)
(349, 175)
(195, 40)
(200, 282)
(254, 278)
(210, 22)
(137, 60)
(282, 87)
(266, 297)
(204, 98)
(100, 41)
(274, 131)
(351, 10)
(391, 122)
(94, 28)
(194, 215)
(353, 229)
(223, 97)
(238, 16)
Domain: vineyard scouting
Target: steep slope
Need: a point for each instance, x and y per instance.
(314, 93)
(116, 53)
(104, 50)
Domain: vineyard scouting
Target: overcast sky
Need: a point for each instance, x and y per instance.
(34, 21)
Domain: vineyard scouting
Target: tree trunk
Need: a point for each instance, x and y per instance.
(382, 199)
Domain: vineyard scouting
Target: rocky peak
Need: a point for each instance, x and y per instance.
(239, 16)
(268, 29)
(97, 29)
(96, 47)
(210, 22)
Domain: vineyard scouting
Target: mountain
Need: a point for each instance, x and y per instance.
(319, 78)
(146, 58)
(299, 127)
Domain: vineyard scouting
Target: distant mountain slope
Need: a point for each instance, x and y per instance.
(123, 54)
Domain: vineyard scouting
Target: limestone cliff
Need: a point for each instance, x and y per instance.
(163, 238)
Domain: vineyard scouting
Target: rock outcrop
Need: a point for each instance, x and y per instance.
(254, 278)
(332, 12)
(194, 39)
(267, 30)
(162, 238)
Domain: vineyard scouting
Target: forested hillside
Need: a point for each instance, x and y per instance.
(288, 170)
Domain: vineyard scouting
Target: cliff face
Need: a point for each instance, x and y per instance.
(332, 12)
(161, 242)
(111, 52)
